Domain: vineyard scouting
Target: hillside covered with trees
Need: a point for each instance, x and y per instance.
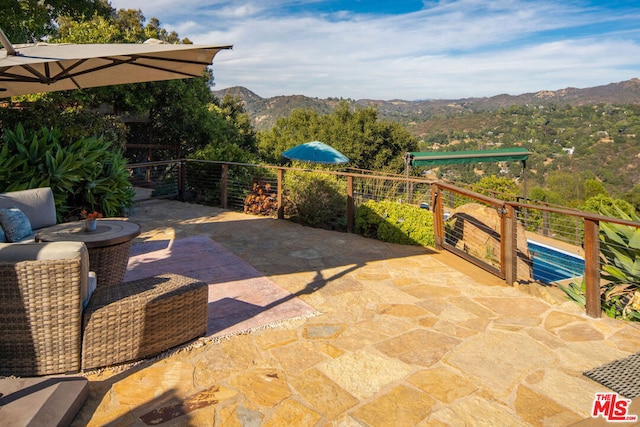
(584, 141)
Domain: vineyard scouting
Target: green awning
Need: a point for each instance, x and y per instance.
(474, 156)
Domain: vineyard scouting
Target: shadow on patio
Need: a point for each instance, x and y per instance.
(405, 336)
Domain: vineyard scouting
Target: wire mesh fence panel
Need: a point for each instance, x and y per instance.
(472, 228)
(252, 189)
(159, 179)
(203, 183)
(555, 245)
(379, 188)
(559, 226)
(229, 185)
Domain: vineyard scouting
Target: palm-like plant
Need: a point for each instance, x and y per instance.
(620, 271)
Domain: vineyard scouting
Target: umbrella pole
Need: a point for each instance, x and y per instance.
(6, 43)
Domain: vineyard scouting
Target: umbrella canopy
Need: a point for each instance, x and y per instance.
(317, 152)
(42, 67)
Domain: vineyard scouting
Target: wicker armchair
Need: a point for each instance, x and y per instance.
(51, 323)
(42, 287)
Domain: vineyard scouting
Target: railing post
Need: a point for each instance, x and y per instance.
(182, 179)
(592, 267)
(508, 243)
(224, 186)
(438, 216)
(351, 209)
(280, 193)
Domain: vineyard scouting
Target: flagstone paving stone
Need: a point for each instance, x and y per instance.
(404, 336)
(402, 406)
(443, 384)
(323, 394)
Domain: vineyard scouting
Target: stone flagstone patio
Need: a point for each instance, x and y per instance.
(406, 336)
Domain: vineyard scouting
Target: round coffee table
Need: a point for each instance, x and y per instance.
(108, 245)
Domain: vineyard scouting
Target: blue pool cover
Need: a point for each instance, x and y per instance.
(552, 264)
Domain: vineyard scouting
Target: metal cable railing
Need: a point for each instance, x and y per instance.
(512, 239)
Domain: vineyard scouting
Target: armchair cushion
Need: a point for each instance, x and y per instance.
(15, 224)
(53, 251)
(37, 204)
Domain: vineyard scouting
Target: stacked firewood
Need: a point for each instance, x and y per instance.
(262, 200)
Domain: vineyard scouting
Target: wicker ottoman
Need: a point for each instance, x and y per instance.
(137, 319)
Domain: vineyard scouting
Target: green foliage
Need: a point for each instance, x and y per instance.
(633, 197)
(27, 21)
(593, 188)
(620, 264)
(315, 199)
(494, 186)
(602, 203)
(235, 126)
(123, 26)
(54, 111)
(395, 223)
(84, 174)
(368, 142)
(180, 113)
(223, 152)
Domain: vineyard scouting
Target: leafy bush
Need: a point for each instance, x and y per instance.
(316, 200)
(620, 264)
(395, 223)
(83, 174)
(53, 110)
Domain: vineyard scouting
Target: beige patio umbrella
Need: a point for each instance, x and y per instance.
(43, 67)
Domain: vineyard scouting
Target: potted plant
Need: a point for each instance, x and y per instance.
(90, 219)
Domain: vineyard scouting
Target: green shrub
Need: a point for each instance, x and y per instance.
(83, 174)
(316, 200)
(395, 223)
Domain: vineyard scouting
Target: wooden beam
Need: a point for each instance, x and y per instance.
(224, 185)
(592, 267)
(351, 209)
(508, 243)
(280, 193)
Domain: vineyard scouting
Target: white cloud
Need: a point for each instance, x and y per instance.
(450, 49)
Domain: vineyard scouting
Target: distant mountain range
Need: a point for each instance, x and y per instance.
(265, 111)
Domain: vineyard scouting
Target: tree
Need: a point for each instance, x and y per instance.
(500, 187)
(633, 197)
(358, 133)
(179, 113)
(603, 203)
(236, 126)
(592, 188)
(27, 21)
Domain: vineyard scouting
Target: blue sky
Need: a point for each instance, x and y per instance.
(407, 49)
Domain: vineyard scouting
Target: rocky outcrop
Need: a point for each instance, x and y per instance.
(475, 229)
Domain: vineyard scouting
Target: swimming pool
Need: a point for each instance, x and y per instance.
(552, 264)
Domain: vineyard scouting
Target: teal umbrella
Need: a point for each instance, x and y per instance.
(316, 152)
